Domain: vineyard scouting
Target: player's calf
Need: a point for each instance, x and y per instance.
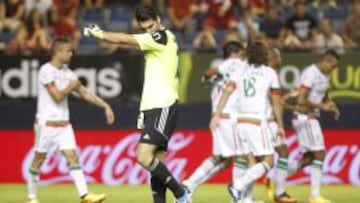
(72, 157)
(239, 168)
(282, 151)
(253, 173)
(235, 194)
(226, 161)
(319, 155)
(208, 168)
(34, 177)
(306, 159)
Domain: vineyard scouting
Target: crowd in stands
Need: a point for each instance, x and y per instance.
(27, 26)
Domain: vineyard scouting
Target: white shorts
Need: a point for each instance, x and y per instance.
(50, 139)
(258, 138)
(276, 140)
(309, 133)
(226, 140)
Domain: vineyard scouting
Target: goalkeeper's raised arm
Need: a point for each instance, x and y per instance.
(93, 30)
(150, 23)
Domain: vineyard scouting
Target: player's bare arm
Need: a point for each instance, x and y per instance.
(331, 106)
(210, 76)
(223, 100)
(59, 95)
(288, 96)
(304, 105)
(97, 101)
(94, 30)
(278, 111)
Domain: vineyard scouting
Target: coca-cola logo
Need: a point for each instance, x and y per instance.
(116, 163)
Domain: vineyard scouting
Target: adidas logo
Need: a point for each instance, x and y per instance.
(146, 137)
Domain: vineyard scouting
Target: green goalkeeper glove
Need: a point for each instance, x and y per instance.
(93, 30)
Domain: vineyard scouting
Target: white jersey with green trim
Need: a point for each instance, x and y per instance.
(253, 87)
(47, 108)
(269, 109)
(317, 82)
(227, 68)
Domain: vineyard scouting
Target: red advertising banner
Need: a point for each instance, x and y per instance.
(108, 157)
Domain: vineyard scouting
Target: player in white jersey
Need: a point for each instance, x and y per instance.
(52, 127)
(226, 142)
(276, 192)
(313, 97)
(254, 86)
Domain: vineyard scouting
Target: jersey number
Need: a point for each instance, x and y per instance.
(156, 36)
(249, 87)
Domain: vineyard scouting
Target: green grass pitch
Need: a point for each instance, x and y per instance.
(209, 193)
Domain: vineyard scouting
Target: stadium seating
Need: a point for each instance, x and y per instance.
(93, 16)
(88, 45)
(338, 13)
(220, 35)
(6, 36)
(120, 25)
(120, 13)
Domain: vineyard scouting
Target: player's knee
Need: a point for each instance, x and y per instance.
(38, 160)
(227, 163)
(36, 164)
(269, 160)
(72, 158)
(283, 151)
(308, 155)
(144, 159)
(319, 155)
(251, 160)
(160, 155)
(73, 162)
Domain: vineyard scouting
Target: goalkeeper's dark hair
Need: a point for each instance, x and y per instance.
(231, 47)
(144, 13)
(257, 53)
(57, 43)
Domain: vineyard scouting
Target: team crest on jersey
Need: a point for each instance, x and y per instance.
(160, 37)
